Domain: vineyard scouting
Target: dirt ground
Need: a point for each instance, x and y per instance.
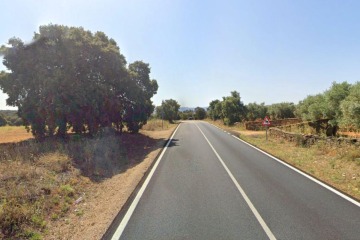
(101, 201)
(13, 134)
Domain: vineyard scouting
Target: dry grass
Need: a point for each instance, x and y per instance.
(13, 134)
(105, 198)
(34, 193)
(40, 182)
(338, 166)
(157, 125)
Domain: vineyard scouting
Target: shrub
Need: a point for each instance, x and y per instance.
(67, 190)
(12, 215)
(3, 121)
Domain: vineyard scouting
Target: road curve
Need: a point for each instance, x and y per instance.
(209, 185)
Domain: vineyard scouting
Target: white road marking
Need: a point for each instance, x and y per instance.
(304, 174)
(300, 172)
(242, 192)
(135, 202)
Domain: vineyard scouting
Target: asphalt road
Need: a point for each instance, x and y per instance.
(210, 185)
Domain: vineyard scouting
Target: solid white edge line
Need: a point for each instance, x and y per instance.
(135, 202)
(304, 174)
(242, 192)
(300, 172)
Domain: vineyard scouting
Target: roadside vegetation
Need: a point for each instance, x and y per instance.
(43, 183)
(324, 117)
(14, 134)
(10, 118)
(337, 165)
(70, 79)
(156, 124)
(83, 107)
(89, 117)
(339, 106)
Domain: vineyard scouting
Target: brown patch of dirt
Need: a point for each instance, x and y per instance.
(350, 134)
(10, 134)
(251, 133)
(102, 200)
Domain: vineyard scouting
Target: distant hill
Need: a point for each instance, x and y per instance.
(182, 109)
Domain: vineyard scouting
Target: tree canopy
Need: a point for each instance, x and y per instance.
(325, 105)
(350, 108)
(187, 114)
(169, 110)
(214, 110)
(70, 78)
(281, 110)
(3, 121)
(256, 111)
(200, 113)
(339, 105)
(231, 109)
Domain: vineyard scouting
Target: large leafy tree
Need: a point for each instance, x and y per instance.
(200, 113)
(72, 78)
(232, 109)
(333, 98)
(141, 88)
(350, 107)
(327, 106)
(281, 110)
(214, 110)
(312, 108)
(256, 111)
(169, 110)
(3, 121)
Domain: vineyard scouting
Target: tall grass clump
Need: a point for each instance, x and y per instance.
(156, 125)
(40, 181)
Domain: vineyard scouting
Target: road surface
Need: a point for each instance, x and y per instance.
(208, 184)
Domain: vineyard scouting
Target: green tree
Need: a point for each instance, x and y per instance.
(169, 109)
(312, 108)
(142, 89)
(232, 109)
(72, 78)
(3, 121)
(333, 98)
(256, 111)
(281, 110)
(327, 106)
(350, 108)
(214, 110)
(200, 113)
(187, 114)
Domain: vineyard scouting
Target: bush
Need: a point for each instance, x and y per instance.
(3, 121)
(227, 121)
(12, 215)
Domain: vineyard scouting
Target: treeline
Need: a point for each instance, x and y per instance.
(231, 109)
(72, 79)
(198, 113)
(170, 110)
(340, 105)
(10, 117)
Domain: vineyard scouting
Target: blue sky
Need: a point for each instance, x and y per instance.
(269, 51)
